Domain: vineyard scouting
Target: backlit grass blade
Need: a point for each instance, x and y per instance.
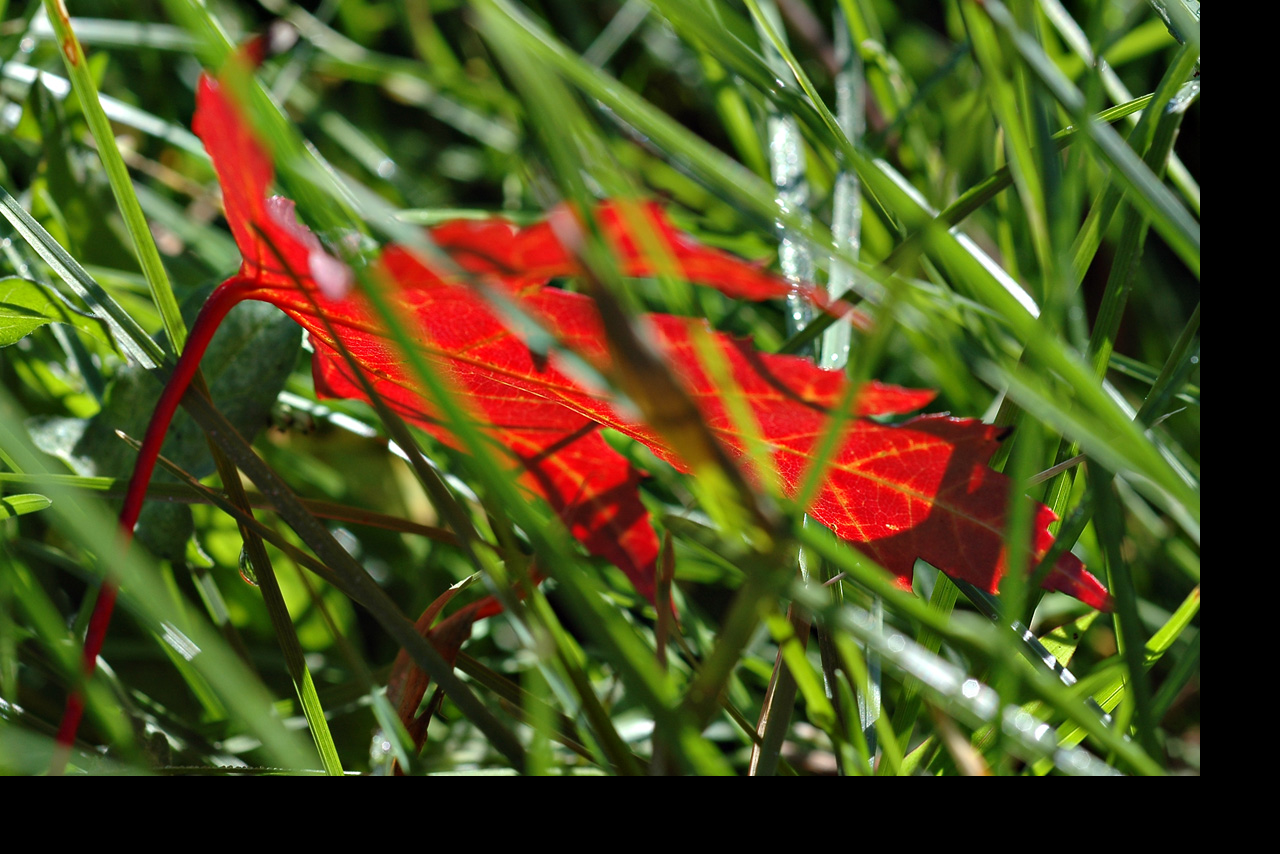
(118, 175)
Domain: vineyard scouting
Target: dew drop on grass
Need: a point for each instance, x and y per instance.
(246, 568)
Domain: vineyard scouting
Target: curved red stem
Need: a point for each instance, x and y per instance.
(221, 301)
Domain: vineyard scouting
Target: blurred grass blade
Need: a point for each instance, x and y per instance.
(116, 110)
(108, 32)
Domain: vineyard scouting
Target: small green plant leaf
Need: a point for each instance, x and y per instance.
(255, 351)
(25, 306)
(18, 505)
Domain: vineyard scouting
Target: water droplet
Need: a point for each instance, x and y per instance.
(381, 755)
(246, 568)
(27, 45)
(386, 168)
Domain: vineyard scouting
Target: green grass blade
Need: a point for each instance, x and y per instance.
(287, 636)
(118, 175)
(130, 337)
(1167, 215)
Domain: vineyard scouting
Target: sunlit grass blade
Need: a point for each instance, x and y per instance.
(118, 176)
(1167, 214)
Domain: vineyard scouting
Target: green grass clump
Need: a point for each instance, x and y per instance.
(1009, 190)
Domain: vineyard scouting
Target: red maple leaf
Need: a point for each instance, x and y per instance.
(917, 490)
(900, 492)
(921, 489)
